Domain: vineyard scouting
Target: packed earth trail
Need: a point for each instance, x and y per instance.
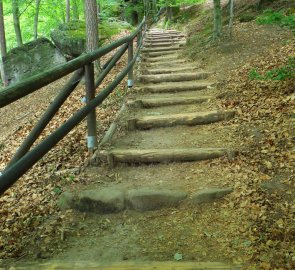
(158, 193)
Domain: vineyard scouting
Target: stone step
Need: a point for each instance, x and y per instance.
(160, 53)
(164, 36)
(176, 87)
(167, 101)
(164, 62)
(163, 44)
(136, 265)
(163, 40)
(176, 77)
(180, 119)
(148, 156)
(160, 49)
(165, 58)
(183, 68)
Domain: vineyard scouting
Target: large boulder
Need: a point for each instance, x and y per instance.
(30, 59)
(70, 38)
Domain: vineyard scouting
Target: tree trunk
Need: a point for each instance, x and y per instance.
(15, 13)
(68, 11)
(91, 45)
(36, 20)
(98, 12)
(91, 25)
(75, 10)
(2, 45)
(217, 20)
(231, 18)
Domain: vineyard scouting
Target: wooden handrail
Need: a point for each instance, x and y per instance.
(26, 161)
(30, 85)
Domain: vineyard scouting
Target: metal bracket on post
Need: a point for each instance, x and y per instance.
(91, 118)
(130, 58)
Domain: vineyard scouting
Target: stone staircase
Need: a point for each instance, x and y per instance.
(166, 112)
(167, 79)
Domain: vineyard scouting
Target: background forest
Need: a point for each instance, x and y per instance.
(37, 18)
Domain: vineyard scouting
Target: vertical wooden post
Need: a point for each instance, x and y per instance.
(138, 38)
(91, 118)
(130, 58)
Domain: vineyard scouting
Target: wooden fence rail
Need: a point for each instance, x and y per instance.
(83, 65)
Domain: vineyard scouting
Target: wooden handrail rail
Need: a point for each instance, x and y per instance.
(30, 85)
(22, 163)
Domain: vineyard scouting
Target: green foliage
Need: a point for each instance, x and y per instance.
(57, 190)
(254, 75)
(178, 257)
(277, 74)
(176, 3)
(247, 17)
(52, 14)
(281, 18)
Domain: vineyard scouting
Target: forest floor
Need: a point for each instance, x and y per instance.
(254, 224)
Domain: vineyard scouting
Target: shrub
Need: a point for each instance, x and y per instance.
(247, 17)
(277, 74)
(281, 18)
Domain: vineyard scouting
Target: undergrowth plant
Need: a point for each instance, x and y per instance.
(283, 18)
(277, 74)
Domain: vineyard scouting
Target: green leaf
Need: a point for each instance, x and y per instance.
(177, 256)
(247, 243)
(57, 190)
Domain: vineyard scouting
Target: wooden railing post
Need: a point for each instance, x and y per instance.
(91, 118)
(139, 38)
(130, 58)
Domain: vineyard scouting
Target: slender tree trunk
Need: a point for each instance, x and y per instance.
(217, 20)
(68, 10)
(2, 45)
(145, 5)
(98, 12)
(75, 10)
(36, 20)
(15, 13)
(91, 25)
(2, 32)
(231, 18)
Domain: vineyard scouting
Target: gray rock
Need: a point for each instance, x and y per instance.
(30, 59)
(146, 199)
(101, 201)
(70, 38)
(211, 194)
(66, 201)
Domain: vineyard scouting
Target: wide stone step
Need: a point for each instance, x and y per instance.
(176, 87)
(81, 265)
(161, 53)
(155, 37)
(165, 62)
(190, 119)
(163, 40)
(146, 156)
(164, 58)
(163, 44)
(160, 49)
(183, 68)
(161, 35)
(176, 77)
(168, 101)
